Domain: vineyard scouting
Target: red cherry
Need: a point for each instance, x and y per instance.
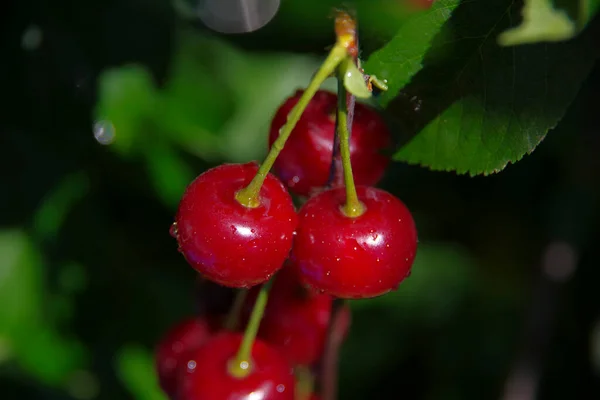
(184, 337)
(228, 243)
(295, 320)
(304, 163)
(207, 376)
(360, 257)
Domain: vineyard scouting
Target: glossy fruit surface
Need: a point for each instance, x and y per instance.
(304, 163)
(360, 257)
(228, 243)
(207, 376)
(171, 352)
(295, 320)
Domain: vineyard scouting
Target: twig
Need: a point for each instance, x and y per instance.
(336, 177)
(338, 328)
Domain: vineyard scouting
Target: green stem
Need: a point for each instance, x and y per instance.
(249, 196)
(241, 365)
(305, 382)
(353, 207)
(233, 317)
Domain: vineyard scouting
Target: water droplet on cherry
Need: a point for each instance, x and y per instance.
(173, 230)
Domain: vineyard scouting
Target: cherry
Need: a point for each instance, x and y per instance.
(304, 163)
(359, 257)
(186, 336)
(230, 243)
(207, 374)
(295, 320)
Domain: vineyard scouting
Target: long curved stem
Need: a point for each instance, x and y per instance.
(353, 207)
(241, 365)
(233, 317)
(346, 26)
(249, 196)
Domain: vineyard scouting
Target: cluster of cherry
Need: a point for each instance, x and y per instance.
(238, 226)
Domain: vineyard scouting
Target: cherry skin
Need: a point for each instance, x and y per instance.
(295, 319)
(186, 336)
(305, 161)
(359, 257)
(227, 242)
(207, 376)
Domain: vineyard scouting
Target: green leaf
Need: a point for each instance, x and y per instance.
(169, 173)
(402, 57)
(589, 8)
(541, 23)
(260, 82)
(24, 332)
(52, 213)
(476, 106)
(47, 356)
(21, 284)
(135, 367)
(195, 101)
(213, 103)
(354, 80)
(126, 100)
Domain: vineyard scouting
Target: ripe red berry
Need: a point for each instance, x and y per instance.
(360, 257)
(207, 376)
(171, 351)
(295, 320)
(304, 163)
(228, 243)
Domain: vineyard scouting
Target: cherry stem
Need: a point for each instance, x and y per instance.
(353, 207)
(304, 383)
(249, 196)
(233, 318)
(336, 177)
(241, 365)
(348, 28)
(339, 324)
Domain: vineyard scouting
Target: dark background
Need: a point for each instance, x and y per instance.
(503, 293)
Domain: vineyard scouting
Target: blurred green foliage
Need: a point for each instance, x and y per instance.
(90, 278)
